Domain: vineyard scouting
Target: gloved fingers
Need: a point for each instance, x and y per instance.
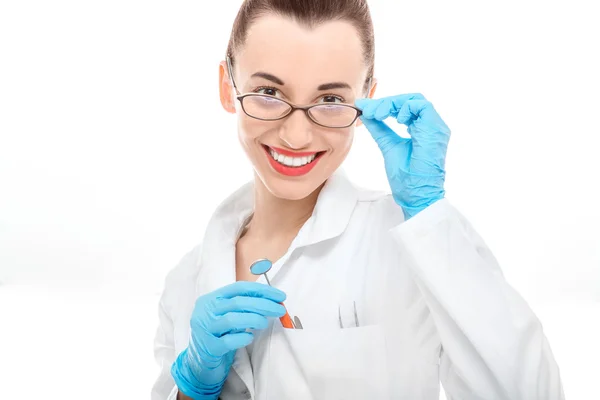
(264, 307)
(385, 107)
(237, 322)
(390, 106)
(423, 109)
(384, 136)
(234, 341)
(252, 289)
(400, 100)
(432, 119)
(411, 110)
(368, 107)
(429, 134)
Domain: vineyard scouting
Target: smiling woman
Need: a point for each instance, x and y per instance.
(306, 63)
(395, 292)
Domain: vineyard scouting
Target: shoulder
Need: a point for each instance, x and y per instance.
(379, 208)
(186, 268)
(180, 281)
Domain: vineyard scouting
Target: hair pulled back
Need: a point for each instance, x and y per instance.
(309, 13)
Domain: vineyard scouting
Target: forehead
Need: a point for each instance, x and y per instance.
(329, 52)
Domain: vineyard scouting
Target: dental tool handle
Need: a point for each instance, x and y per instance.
(286, 320)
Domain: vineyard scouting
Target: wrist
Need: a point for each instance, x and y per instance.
(196, 383)
(410, 210)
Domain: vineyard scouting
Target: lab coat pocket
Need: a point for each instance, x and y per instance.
(325, 364)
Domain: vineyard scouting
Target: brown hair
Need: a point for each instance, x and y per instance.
(309, 13)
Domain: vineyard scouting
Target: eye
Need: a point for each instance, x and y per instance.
(331, 98)
(271, 91)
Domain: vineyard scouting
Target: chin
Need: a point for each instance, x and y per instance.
(291, 189)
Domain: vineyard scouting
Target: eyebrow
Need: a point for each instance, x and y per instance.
(334, 85)
(268, 77)
(324, 86)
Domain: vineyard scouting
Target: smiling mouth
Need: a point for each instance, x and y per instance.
(293, 162)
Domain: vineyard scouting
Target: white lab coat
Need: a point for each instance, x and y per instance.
(431, 302)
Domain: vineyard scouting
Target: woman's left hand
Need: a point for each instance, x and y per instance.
(415, 166)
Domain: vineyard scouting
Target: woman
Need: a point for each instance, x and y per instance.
(394, 293)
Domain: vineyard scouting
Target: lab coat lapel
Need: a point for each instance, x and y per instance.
(218, 260)
(218, 249)
(332, 213)
(329, 219)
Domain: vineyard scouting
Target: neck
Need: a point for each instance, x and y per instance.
(275, 217)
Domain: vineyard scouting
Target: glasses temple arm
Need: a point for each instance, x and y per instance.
(230, 73)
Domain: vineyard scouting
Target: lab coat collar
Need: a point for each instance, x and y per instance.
(332, 212)
(329, 219)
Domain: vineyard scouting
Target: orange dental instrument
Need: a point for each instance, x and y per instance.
(261, 267)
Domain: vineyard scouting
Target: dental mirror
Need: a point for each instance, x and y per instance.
(261, 267)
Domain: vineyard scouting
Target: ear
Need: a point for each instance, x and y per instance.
(370, 95)
(226, 91)
(373, 88)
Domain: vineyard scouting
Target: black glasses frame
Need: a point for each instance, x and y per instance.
(293, 107)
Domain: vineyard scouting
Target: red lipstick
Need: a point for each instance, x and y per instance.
(292, 171)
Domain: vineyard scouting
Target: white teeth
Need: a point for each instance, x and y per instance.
(291, 161)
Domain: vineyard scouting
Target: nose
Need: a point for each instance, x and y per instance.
(296, 131)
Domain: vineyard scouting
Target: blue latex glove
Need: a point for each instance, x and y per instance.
(415, 166)
(218, 328)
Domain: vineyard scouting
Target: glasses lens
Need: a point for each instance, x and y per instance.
(265, 107)
(333, 115)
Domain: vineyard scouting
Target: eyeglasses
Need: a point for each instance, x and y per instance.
(265, 107)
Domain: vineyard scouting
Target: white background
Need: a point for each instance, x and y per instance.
(114, 150)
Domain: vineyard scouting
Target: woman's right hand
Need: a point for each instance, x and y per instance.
(219, 325)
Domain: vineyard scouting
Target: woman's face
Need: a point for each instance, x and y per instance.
(294, 156)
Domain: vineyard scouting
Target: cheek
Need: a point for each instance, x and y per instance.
(341, 142)
(249, 129)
